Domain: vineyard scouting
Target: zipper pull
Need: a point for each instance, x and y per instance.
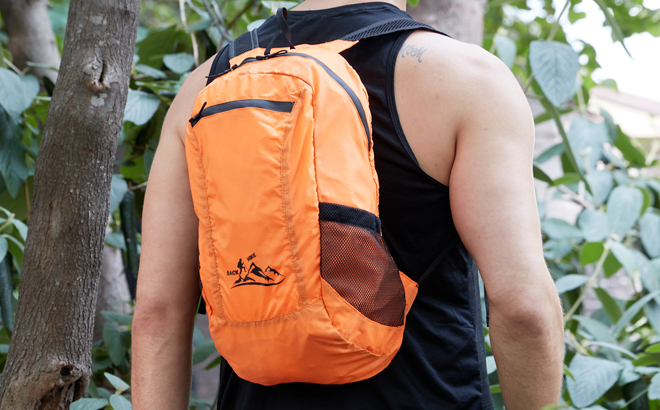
(197, 116)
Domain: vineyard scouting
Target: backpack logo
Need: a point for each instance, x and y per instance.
(254, 275)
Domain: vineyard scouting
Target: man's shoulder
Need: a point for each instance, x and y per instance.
(181, 108)
(448, 65)
(460, 78)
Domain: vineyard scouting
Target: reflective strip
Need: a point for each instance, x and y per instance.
(279, 106)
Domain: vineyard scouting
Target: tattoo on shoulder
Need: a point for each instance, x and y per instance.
(411, 50)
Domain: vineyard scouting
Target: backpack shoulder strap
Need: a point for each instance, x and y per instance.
(250, 40)
(245, 42)
(389, 26)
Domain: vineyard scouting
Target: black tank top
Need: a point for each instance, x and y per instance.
(441, 363)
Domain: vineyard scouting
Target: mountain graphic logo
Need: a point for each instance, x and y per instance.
(254, 275)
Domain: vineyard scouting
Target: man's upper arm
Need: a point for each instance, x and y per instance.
(168, 268)
(491, 185)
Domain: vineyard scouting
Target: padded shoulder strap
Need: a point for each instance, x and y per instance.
(250, 40)
(245, 42)
(388, 26)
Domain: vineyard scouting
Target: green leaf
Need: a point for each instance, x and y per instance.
(587, 139)
(617, 34)
(118, 318)
(654, 387)
(559, 229)
(570, 282)
(203, 351)
(120, 403)
(119, 385)
(179, 63)
(556, 149)
(4, 247)
(593, 377)
(17, 91)
(557, 248)
(615, 347)
(140, 107)
(567, 179)
(591, 252)
(20, 227)
(652, 312)
(257, 23)
(632, 311)
(623, 209)
(624, 255)
(150, 71)
(115, 239)
(13, 167)
(118, 189)
(609, 304)
(595, 225)
(554, 66)
(601, 183)
(202, 24)
(540, 175)
(611, 265)
(274, 5)
(568, 151)
(148, 160)
(214, 363)
(157, 43)
(198, 337)
(649, 229)
(596, 329)
(506, 49)
(88, 404)
(629, 151)
(647, 199)
(112, 337)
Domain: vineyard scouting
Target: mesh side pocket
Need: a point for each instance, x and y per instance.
(356, 263)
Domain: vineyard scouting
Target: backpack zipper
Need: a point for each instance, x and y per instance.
(279, 106)
(349, 91)
(338, 80)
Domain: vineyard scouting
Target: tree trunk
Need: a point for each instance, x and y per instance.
(31, 37)
(461, 19)
(49, 361)
(113, 294)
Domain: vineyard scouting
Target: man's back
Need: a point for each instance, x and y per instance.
(449, 121)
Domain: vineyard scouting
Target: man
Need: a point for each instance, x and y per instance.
(453, 142)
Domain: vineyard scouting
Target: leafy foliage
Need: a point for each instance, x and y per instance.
(611, 359)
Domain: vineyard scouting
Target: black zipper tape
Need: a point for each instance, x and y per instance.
(279, 106)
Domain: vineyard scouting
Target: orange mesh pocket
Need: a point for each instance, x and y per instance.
(357, 264)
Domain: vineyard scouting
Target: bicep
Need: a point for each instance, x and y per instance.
(169, 259)
(492, 193)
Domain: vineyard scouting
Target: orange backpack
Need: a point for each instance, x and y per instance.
(298, 282)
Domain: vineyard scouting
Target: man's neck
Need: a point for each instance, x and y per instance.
(328, 4)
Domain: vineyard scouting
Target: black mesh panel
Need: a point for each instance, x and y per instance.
(356, 263)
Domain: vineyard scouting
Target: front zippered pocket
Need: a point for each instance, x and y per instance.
(278, 106)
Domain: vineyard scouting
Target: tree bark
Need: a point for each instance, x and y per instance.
(31, 37)
(49, 360)
(461, 19)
